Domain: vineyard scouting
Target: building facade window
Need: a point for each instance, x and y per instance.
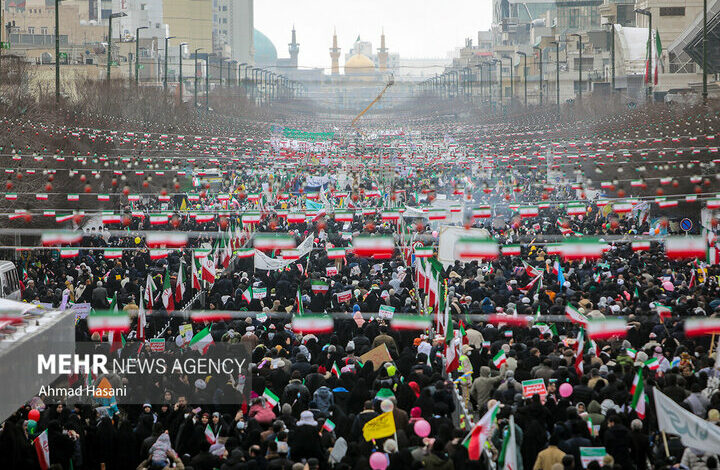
(672, 11)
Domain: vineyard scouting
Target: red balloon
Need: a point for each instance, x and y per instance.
(34, 415)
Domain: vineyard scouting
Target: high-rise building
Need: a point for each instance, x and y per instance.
(233, 26)
(190, 21)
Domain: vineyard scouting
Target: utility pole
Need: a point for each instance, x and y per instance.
(57, 50)
(180, 76)
(207, 83)
(167, 50)
(196, 77)
(557, 71)
(539, 49)
(524, 56)
(580, 84)
(109, 51)
(704, 65)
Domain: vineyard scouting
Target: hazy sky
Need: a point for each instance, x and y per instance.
(413, 28)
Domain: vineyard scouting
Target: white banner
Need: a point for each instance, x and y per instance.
(264, 262)
(693, 431)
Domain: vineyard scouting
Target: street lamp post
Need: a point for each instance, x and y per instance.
(648, 13)
(580, 85)
(166, 61)
(612, 54)
(207, 83)
(137, 54)
(704, 64)
(180, 76)
(479, 66)
(220, 73)
(540, 72)
(57, 50)
(499, 62)
(239, 73)
(195, 73)
(524, 56)
(557, 70)
(109, 54)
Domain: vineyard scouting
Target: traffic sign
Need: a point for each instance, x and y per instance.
(4, 45)
(63, 55)
(686, 224)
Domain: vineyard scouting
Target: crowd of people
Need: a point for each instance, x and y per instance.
(310, 395)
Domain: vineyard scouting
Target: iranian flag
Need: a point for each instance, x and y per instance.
(69, 252)
(713, 203)
(622, 207)
(180, 283)
(580, 351)
(410, 322)
(103, 197)
(573, 314)
(582, 249)
(335, 253)
(482, 212)
(511, 250)
(158, 254)
(606, 328)
(640, 246)
(652, 364)
(378, 247)
(476, 248)
(270, 397)
(478, 436)
(210, 435)
(208, 269)
(335, 370)
(247, 294)
(108, 321)
(390, 215)
(319, 287)
(60, 238)
(638, 393)
(452, 349)
(528, 211)
(576, 209)
(70, 197)
(201, 341)
(42, 449)
(150, 292)
(296, 217)
(111, 218)
(112, 253)
(436, 214)
(312, 323)
(344, 216)
(245, 252)
(420, 273)
(196, 270)
(251, 218)
(269, 241)
(499, 359)
(530, 270)
(424, 251)
(685, 247)
(167, 292)
(200, 316)
(702, 326)
(166, 240)
(328, 425)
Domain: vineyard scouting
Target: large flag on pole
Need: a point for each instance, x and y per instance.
(638, 391)
(167, 293)
(180, 283)
(479, 434)
(150, 292)
(508, 454)
(141, 320)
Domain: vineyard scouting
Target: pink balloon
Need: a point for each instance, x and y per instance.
(34, 415)
(566, 390)
(378, 461)
(668, 286)
(422, 428)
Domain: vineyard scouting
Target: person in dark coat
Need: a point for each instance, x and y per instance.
(305, 441)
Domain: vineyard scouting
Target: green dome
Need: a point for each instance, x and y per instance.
(265, 52)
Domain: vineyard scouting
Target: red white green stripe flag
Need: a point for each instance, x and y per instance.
(582, 249)
(639, 398)
(270, 397)
(42, 449)
(499, 359)
(528, 211)
(702, 326)
(319, 287)
(180, 283)
(344, 216)
(335, 253)
(328, 425)
(108, 321)
(245, 252)
(209, 435)
(478, 436)
(606, 328)
(652, 364)
(69, 252)
(476, 248)
(640, 246)
(378, 247)
(424, 251)
(112, 253)
(685, 247)
(482, 212)
(251, 218)
(573, 314)
(270, 241)
(296, 217)
(576, 209)
(167, 293)
(60, 238)
(166, 239)
(410, 322)
(511, 250)
(201, 341)
(312, 323)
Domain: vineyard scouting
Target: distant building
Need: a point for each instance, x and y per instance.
(233, 29)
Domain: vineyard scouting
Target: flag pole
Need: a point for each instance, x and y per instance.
(667, 451)
(712, 344)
